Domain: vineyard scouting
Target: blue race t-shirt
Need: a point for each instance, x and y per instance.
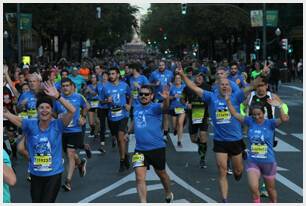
(148, 127)
(30, 105)
(165, 79)
(119, 94)
(176, 102)
(260, 147)
(226, 127)
(6, 188)
(238, 79)
(44, 147)
(135, 84)
(93, 99)
(78, 101)
(100, 90)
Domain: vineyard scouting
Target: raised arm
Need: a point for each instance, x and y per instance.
(189, 83)
(276, 102)
(166, 101)
(51, 91)
(9, 81)
(231, 108)
(12, 118)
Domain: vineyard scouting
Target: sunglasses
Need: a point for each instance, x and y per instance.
(144, 94)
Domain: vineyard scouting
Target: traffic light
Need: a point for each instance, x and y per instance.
(284, 44)
(257, 44)
(290, 49)
(184, 9)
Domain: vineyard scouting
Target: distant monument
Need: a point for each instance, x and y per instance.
(136, 46)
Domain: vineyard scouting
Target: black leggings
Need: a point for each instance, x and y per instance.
(102, 114)
(45, 189)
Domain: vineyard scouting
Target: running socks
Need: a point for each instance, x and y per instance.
(202, 150)
(257, 200)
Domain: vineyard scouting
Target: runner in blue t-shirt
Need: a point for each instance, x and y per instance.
(44, 144)
(117, 94)
(260, 158)
(150, 146)
(236, 77)
(9, 177)
(73, 137)
(227, 130)
(136, 81)
(103, 111)
(177, 108)
(161, 78)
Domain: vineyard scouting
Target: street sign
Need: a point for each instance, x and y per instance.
(256, 18)
(272, 18)
(26, 60)
(25, 21)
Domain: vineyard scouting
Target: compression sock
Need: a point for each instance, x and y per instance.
(202, 150)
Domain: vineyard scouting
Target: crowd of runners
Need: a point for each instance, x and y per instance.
(46, 110)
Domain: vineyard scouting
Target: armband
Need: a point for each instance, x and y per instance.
(242, 109)
(285, 108)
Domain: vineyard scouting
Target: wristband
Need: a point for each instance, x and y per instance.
(242, 108)
(285, 108)
(59, 96)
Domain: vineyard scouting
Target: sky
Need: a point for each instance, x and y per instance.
(143, 6)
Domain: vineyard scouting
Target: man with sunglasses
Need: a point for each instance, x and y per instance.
(117, 94)
(150, 146)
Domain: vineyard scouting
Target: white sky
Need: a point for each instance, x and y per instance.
(143, 7)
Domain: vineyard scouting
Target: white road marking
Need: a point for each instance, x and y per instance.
(150, 176)
(298, 135)
(282, 146)
(280, 131)
(289, 184)
(181, 201)
(188, 146)
(134, 190)
(281, 169)
(293, 87)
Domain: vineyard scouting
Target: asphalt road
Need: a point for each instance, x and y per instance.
(103, 184)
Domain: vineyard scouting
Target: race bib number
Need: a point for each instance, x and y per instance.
(116, 113)
(223, 116)
(197, 115)
(138, 160)
(94, 104)
(259, 151)
(42, 163)
(135, 94)
(179, 110)
(32, 113)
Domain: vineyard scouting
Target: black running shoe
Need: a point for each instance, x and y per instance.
(174, 132)
(113, 143)
(203, 164)
(67, 186)
(179, 144)
(121, 168)
(102, 150)
(82, 167)
(169, 198)
(88, 152)
(127, 162)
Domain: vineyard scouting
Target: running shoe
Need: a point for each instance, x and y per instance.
(203, 164)
(102, 150)
(87, 151)
(121, 168)
(127, 162)
(169, 198)
(67, 186)
(29, 177)
(263, 191)
(113, 142)
(179, 144)
(174, 132)
(229, 171)
(82, 167)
